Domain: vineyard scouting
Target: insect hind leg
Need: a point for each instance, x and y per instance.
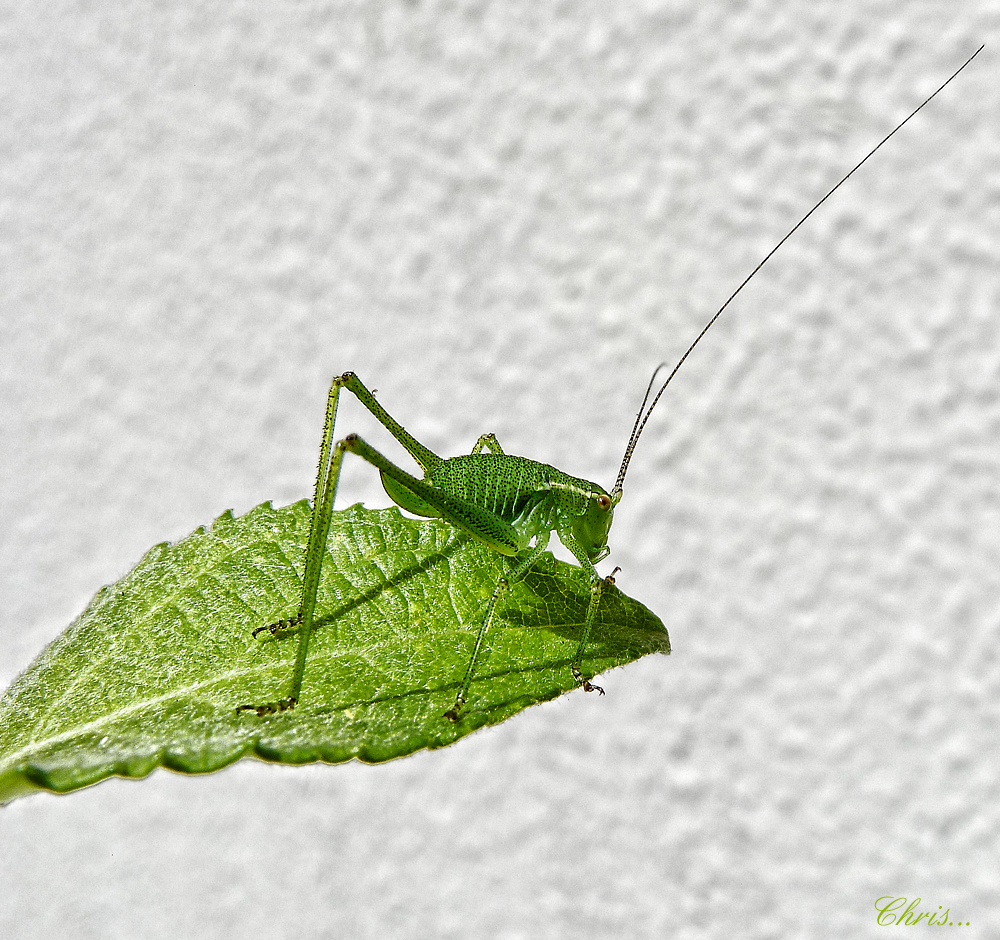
(280, 628)
(487, 442)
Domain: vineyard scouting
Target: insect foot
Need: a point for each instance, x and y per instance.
(270, 708)
(279, 626)
(452, 713)
(586, 684)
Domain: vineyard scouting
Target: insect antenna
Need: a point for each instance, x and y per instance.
(643, 416)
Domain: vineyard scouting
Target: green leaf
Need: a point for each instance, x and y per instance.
(152, 671)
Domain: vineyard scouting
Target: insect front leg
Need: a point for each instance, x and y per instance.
(597, 584)
(596, 589)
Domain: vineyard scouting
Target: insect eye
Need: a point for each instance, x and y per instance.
(604, 501)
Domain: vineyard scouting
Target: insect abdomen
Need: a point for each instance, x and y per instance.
(502, 484)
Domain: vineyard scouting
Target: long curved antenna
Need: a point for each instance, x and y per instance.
(642, 418)
(635, 428)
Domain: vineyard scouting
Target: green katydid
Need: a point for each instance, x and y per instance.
(510, 503)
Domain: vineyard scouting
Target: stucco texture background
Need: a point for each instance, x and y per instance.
(504, 215)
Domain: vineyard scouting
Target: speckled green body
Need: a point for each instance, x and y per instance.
(528, 496)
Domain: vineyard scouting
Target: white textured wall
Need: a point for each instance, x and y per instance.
(503, 215)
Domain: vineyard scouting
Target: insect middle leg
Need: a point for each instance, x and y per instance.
(502, 585)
